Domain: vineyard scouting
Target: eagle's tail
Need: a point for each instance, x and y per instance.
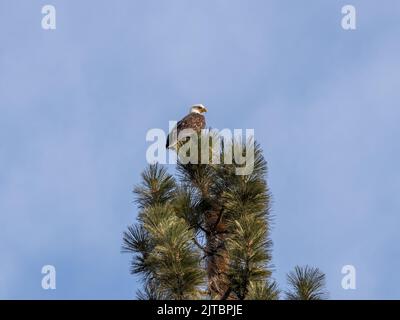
(171, 145)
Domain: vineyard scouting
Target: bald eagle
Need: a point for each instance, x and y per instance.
(195, 120)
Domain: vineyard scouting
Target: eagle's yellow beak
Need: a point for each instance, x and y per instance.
(204, 109)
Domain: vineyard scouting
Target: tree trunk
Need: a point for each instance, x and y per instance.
(217, 260)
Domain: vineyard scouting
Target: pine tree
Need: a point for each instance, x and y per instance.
(204, 234)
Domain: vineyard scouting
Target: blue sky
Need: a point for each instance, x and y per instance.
(76, 103)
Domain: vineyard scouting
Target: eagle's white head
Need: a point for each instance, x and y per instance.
(198, 108)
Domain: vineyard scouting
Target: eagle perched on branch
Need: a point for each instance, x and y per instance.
(195, 120)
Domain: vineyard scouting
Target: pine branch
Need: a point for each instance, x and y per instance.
(306, 283)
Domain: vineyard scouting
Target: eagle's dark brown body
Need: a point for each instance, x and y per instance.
(193, 120)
